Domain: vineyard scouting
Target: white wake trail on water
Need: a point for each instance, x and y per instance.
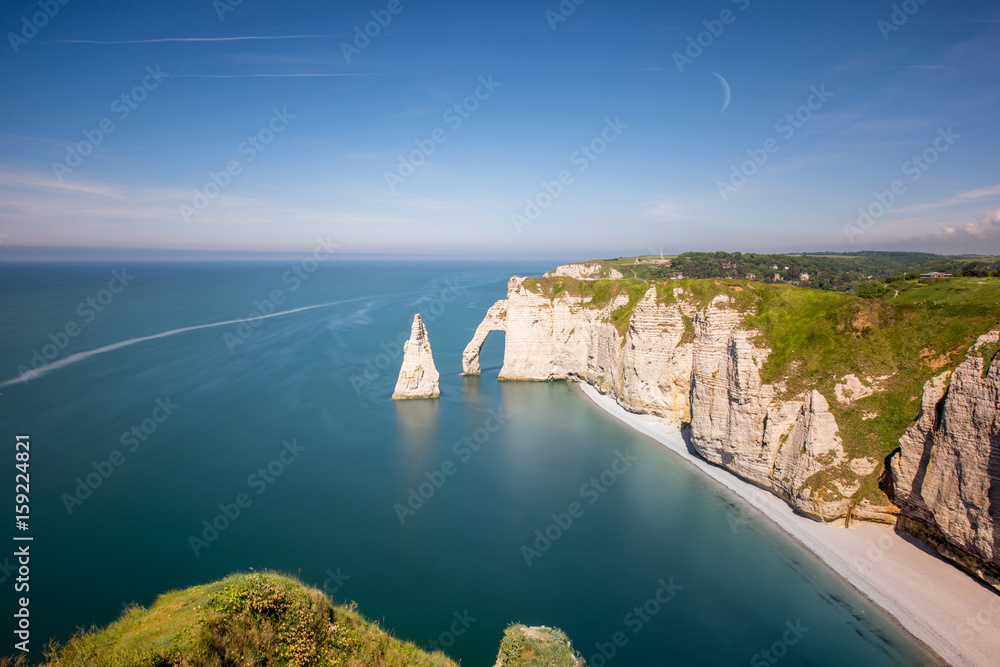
(34, 374)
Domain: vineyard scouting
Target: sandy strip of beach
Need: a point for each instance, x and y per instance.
(950, 612)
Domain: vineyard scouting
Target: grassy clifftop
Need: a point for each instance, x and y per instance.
(266, 619)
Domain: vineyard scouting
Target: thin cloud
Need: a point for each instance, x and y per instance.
(992, 191)
(921, 67)
(664, 210)
(279, 76)
(188, 39)
(272, 76)
(961, 198)
(20, 181)
(39, 208)
(985, 228)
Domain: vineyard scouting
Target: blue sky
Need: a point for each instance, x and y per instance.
(593, 95)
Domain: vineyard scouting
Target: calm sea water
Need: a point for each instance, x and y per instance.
(328, 508)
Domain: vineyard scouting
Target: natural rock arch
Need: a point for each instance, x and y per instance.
(495, 320)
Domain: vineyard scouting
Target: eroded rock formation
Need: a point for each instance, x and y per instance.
(947, 472)
(586, 271)
(418, 378)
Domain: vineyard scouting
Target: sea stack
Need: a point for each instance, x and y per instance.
(417, 378)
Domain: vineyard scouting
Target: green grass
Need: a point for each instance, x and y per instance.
(989, 353)
(244, 619)
(818, 337)
(264, 619)
(595, 293)
(526, 647)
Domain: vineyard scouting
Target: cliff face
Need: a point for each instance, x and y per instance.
(418, 378)
(685, 352)
(564, 338)
(947, 471)
(690, 365)
(738, 422)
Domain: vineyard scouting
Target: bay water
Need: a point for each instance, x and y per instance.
(444, 520)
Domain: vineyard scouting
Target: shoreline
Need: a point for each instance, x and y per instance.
(899, 574)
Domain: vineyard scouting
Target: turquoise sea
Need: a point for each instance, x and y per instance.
(424, 513)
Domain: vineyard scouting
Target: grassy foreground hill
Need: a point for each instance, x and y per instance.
(265, 619)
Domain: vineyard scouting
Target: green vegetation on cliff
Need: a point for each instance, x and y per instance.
(244, 619)
(917, 330)
(598, 293)
(526, 647)
(839, 272)
(265, 619)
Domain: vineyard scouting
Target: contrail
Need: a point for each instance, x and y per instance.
(277, 76)
(80, 356)
(187, 39)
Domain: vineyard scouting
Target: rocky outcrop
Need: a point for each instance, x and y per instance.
(851, 389)
(738, 422)
(588, 271)
(946, 474)
(690, 365)
(418, 378)
(656, 358)
(536, 646)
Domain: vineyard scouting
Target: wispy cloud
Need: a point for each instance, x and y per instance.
(280, 76)
(925, 68)
(189, 39)
(23, 180)
(960, 223)
(664, 210)
(39, 209)
(985, 228)
(961, 199)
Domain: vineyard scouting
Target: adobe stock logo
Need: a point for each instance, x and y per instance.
(899, 17)
(713, 30)
(381, 18)
(104, 469)
(260, 481)
(566, 9)
(122, 106)
(552, 190)
(786, 127)
(884, 200)
(249, 149)
(30, 27)
(455, 116)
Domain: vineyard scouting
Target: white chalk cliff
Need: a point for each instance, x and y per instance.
(947, 472)
(585, 271)
(418, 378)
(696, 367)
(699, 365)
